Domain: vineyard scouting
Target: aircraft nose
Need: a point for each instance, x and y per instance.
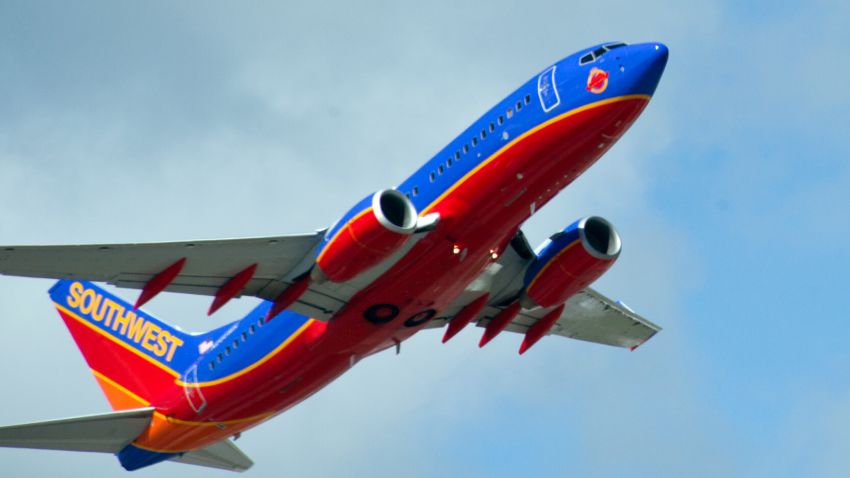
(650, 61)
(658, 59)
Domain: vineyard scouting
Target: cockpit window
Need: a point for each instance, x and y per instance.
(597, 53)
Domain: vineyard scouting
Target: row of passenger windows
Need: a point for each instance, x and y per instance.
(236, 342)
(472, 144)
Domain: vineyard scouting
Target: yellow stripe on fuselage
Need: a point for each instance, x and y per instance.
(528, 133)
(120, 387)
(114, 339)
(173, 373)
(254, 365)
(236, 421)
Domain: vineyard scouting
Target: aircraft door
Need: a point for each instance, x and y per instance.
(547, 89)
(193, 391)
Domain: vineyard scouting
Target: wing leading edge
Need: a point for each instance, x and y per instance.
(206, 266)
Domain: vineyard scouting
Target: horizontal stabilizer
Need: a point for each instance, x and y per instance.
(223, 455)
(104, 433)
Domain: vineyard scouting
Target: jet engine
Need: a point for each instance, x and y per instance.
(570, 261)
(370, 232)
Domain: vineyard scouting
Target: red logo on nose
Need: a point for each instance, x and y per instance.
(597, 81)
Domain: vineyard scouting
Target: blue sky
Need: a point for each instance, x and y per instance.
(122, 122)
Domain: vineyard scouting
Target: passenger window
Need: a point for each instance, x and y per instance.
(440, 169)
(474, 141)
(449, 163)
(518, 105)
(218, 359)
(501, 120)
(492, 127)
(251, 329)
(527, 99)
(432, 176)
(457, 155)
(465, 148)
(483, 134)
(510, 113)
(227, 350)
(244, 336)
(416, 190)
(212, 365)
(235, 344)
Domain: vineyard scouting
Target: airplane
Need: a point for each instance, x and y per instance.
(442, 249)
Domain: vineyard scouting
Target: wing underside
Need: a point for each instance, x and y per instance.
(208, 265)
(279, 260)
(104, 433)
(588, 315)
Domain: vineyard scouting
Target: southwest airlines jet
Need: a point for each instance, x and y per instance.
(442, 249)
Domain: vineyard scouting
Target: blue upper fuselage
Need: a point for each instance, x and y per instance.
(558, 89)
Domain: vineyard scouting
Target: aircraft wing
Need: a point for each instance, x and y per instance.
(209, 264)
(588, 315)
(223, 455)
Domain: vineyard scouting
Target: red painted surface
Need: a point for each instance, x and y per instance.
(596, 81)
(482, 212)
(140, 376)
(570, 271)
(232, 288)
(539, 329)
(499, 322)
(361, 244)
(289, 296)
(160, 282)
(465, 316)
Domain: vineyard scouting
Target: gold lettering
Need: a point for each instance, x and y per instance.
(75, 290)
(137, 329)
(115, 309)
(150, 336)
(123, 320)
(161, 343)
(175, 344)
(89, 303)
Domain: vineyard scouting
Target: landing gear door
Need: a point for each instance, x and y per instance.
(547, 89)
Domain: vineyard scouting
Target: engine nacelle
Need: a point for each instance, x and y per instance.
(370, 232)
(570, 261)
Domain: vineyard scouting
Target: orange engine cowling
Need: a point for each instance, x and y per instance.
(570, 261)
(369, 233)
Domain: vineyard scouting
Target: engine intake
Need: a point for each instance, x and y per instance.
(370, 232)
(571, 260)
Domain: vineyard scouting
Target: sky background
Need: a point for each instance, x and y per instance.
(130, 122)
